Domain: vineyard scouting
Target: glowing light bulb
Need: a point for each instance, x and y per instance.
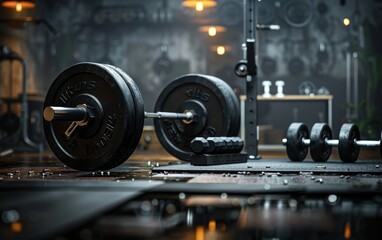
(212, 31)
(19, 6)
(212, 225)
(220, 50)
(199, 6)
(346, 21)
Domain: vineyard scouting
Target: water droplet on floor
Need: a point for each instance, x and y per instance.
(182, 196)
(321, 166)
(285, 181)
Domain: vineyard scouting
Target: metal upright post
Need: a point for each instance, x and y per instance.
(251, 112)
(247, 68)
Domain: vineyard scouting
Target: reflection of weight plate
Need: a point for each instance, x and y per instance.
(103, 142)
(211, 101)
(306, 88)
(322, 8)
(266, 11)
(297, 13)
(230, 13)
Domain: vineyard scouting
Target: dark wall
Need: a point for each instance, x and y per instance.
(156, 41)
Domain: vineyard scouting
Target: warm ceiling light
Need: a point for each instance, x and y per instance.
(346, 21)
(199, 5)
(18, 5)
(221, 49)
(212, 30)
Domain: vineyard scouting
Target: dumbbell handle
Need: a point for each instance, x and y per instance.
(80, 113)
(363, 143)
(367, 143)
(335, 142)
(305, 141)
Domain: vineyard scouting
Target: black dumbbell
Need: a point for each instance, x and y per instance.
(321, 142)
(216, 145)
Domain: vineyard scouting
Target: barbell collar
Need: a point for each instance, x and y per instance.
(78, 114)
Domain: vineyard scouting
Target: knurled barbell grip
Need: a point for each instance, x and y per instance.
(77, 114)
(186, 115)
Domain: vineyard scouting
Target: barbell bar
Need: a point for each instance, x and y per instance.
(81, 114)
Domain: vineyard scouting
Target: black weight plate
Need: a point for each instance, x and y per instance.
(139, 118)
(106, 147)
(198, 90)
(295, 147)
(319, 150)
(235, 126)
(298, 13)
(347, 148)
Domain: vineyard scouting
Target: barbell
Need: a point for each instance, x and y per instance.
(94, 115)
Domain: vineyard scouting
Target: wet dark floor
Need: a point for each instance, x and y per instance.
(154, 196)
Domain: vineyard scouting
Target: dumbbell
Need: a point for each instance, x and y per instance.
(216, 145)
(94, 115)
(321, 142)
